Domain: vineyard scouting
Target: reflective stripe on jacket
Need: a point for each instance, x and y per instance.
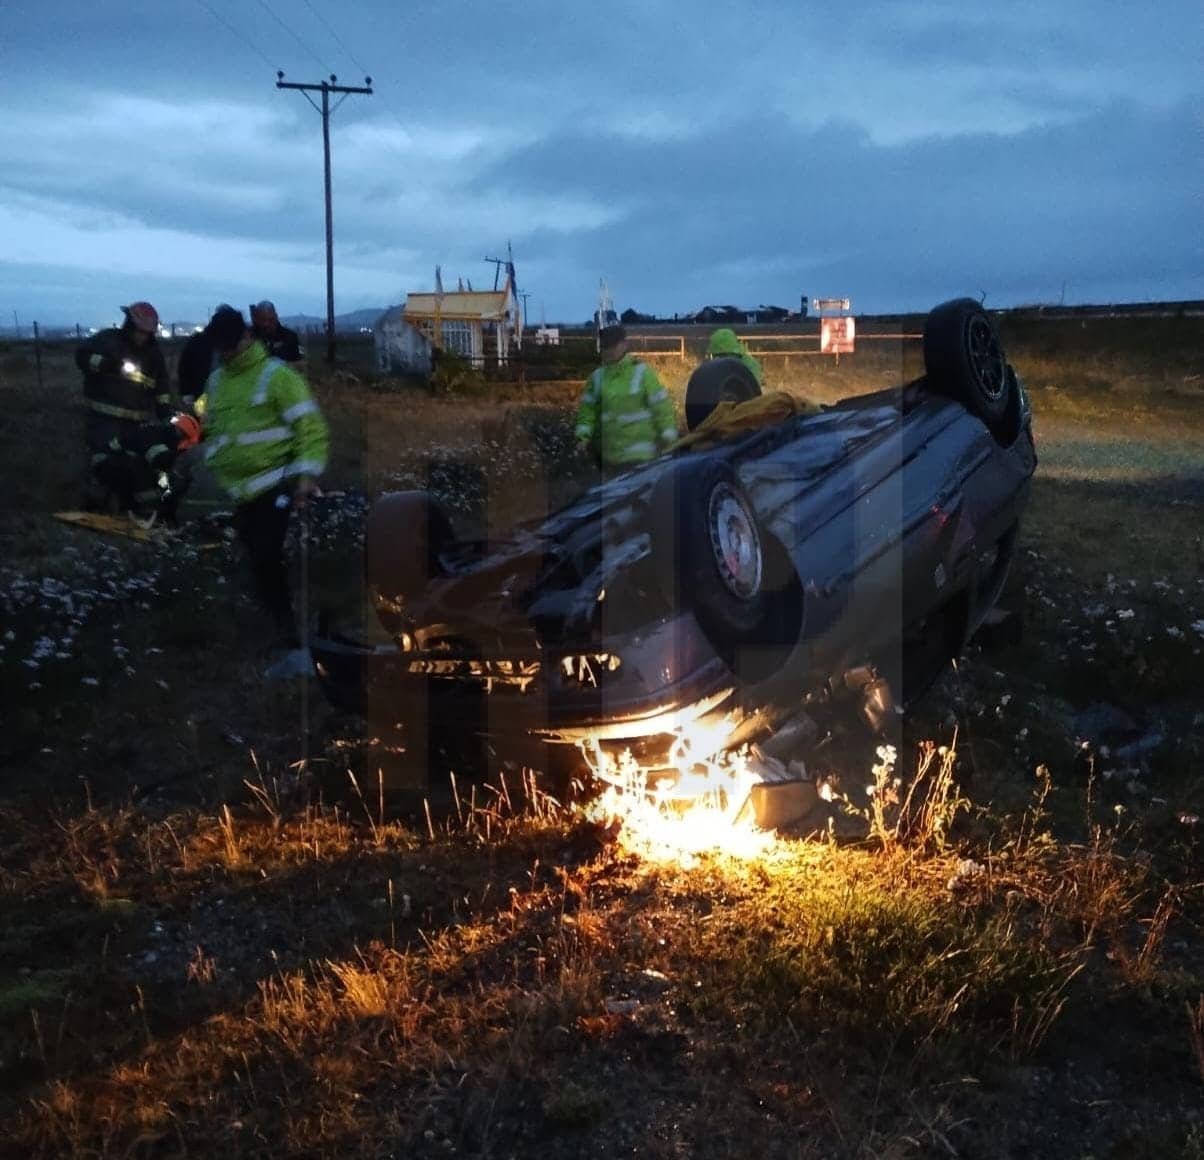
(112, 412)
(626, 413)
(262, 426)
(111, 392)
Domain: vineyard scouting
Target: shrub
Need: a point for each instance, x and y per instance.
(454, 375)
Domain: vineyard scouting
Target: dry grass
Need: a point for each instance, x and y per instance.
(1195, 1030)
(984, 964)
(450, 980)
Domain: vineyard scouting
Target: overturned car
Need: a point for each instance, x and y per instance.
(845, 555)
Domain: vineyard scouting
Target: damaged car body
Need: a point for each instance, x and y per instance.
(847, 554)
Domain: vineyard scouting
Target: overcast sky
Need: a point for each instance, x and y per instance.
(896, 153)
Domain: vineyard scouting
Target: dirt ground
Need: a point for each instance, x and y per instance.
(219, 935)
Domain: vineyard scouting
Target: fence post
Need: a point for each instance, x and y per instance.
(681, 347)
(37, 353)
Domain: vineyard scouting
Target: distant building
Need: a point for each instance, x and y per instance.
(479, 325)
(765, 314)
(401, 348)
(631, 317)
(713, 314)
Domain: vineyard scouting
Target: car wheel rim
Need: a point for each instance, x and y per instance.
(986, 358)
(736, 545)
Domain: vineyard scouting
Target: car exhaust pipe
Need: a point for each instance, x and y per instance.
(878, 707)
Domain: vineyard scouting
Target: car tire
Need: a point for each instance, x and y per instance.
(716, 381)
(404, 535)
(710, 551)
(964, 360)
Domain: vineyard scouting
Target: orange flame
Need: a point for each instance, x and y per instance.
(696, 805)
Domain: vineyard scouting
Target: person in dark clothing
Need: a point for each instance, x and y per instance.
(279, 341)
(198, 360)
(146, 460)
(262, 527)
(126, 386)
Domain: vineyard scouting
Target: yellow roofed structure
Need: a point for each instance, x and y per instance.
(480, 325)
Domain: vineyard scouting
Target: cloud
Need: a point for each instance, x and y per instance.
(123, 251)
(895, 152)
(1015, 214)
(233, 194)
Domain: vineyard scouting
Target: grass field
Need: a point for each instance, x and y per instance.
(215, 940)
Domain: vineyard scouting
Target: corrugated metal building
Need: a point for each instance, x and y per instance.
(401, 348)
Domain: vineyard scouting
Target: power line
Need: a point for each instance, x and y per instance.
(236, 32)
(337, 39)
(356, 61)
(269, 10)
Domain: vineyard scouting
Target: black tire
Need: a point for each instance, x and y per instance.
(716, 381)
(964, 360)
(404, 536)
(710, 551)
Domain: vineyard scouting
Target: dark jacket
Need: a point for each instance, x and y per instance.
(115, 400)
(198, 360)
(283, 345)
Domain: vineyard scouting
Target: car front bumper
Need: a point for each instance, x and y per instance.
(637, 691)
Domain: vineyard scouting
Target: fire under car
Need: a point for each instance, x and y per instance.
(838, 557)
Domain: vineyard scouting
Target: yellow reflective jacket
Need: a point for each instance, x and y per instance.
(262, 426)
(626, 414)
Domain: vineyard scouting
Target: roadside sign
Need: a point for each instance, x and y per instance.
(830, 303)
(836, 335)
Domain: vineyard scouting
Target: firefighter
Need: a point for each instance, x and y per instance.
(625, 416)
(126, 387)
(153, 450)
(266, 445)
(726, 343)
(278, 340)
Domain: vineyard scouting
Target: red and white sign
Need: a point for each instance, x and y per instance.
(836, 335)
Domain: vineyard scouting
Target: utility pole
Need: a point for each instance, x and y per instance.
(37, 352)
(326, 88)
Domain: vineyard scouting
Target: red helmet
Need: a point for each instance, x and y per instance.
(189, 430)
(142, 316)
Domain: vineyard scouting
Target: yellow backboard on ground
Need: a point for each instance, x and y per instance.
(110, 525)
(120, 526)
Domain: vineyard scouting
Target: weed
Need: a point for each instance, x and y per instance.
(921, 816)
(18, 996)
(1195, 1031)
(233, 856)
(202, 968)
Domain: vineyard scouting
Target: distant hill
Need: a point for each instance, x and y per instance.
(349, 323)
